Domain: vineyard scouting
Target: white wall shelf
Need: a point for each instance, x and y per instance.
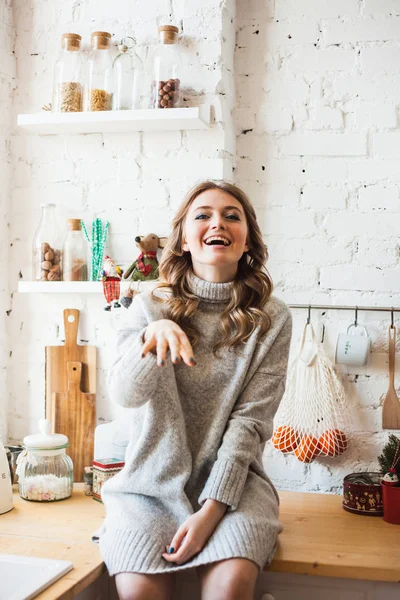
(121, 121)
(76, 287)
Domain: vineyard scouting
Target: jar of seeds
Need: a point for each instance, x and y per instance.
(75, 253)
(166, 66)
(68, 81)
(47, 244)
(98, 83)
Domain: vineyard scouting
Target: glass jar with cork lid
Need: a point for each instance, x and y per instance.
(68, 77)
(166, 66)
(98, 84)
(75, 253)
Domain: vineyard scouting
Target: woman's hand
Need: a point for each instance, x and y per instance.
(195, 531)
(163, 334)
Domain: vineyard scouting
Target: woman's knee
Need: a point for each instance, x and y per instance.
(143, 586)
(232, 579)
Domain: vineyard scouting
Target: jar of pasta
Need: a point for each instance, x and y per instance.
(68, 79)
(98, 82)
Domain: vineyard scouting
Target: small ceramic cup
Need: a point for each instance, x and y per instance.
(353, 348)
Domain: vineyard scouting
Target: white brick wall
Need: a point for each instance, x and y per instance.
(316, 88)
(134, 180)
(7, 85)
(318, 147)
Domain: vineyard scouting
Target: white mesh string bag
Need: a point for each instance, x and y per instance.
(313, 419)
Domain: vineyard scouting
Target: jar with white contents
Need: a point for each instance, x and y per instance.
(45, 471)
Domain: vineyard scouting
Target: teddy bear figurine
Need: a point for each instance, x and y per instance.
(111, 276)
(145, 267)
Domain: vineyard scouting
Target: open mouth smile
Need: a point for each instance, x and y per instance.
(217, 240)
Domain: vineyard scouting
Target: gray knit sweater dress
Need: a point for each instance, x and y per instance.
(195, 433)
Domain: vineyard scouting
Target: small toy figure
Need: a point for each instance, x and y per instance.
(111, 276)
(390, 478)
(145, 267)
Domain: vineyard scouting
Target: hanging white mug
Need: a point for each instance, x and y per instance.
(353, 349)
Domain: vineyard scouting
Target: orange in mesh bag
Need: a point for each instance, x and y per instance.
(312, 417)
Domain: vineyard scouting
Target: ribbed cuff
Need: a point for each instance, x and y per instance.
(225, 483)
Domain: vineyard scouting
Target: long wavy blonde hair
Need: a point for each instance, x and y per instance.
(252, 286)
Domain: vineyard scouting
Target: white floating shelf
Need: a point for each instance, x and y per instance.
(76, 287)
(119, 121)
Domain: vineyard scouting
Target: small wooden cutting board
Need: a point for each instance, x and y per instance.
(74, 415)
(57, 358)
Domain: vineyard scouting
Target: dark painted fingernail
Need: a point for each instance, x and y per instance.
(176, 360)
(191, 359)
(162, 363)
(143, 355)
(171, 550)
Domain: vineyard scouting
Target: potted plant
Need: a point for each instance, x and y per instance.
(389, 462)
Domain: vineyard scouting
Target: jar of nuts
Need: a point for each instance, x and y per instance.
(166, 83)
(68, 77)
(98, 82)
(47, 255)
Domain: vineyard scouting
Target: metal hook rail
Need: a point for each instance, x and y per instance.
(352, 308)
(309, 307)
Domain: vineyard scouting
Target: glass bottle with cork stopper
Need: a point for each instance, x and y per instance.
(68, 79)
(98, 85)
(127, 71)
(75, 253)
(166, 67)
(47, 242)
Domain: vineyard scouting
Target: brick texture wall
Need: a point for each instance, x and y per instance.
(317, 150)
(7, 85)
(134, 180)
(313, 140)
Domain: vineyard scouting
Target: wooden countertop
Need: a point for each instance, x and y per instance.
(319, 538)
(58, 530)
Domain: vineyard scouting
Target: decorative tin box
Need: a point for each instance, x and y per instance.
(362, 494)
(104, 469)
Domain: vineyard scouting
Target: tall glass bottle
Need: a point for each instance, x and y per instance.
(68, 79)
(98, 83)
(47, 256)
(166, 67)
(127, 75)
(75, 253)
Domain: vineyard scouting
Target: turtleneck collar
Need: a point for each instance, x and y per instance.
(209, 291)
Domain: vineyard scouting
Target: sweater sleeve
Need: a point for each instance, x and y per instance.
(132, 379)
(250, 423)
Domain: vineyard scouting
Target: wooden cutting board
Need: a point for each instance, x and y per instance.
(75, 416)
(57, 358)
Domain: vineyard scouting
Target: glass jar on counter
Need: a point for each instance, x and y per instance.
(98, 83)
(127, 76)
(68, 78)
(166, 66)
(47, 257)
(75, 253)
(45, 471)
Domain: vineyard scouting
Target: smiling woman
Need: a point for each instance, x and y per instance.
(221, 224)
(202, 360)
(211, 210)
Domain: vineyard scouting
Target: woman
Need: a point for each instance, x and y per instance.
(203, 362)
